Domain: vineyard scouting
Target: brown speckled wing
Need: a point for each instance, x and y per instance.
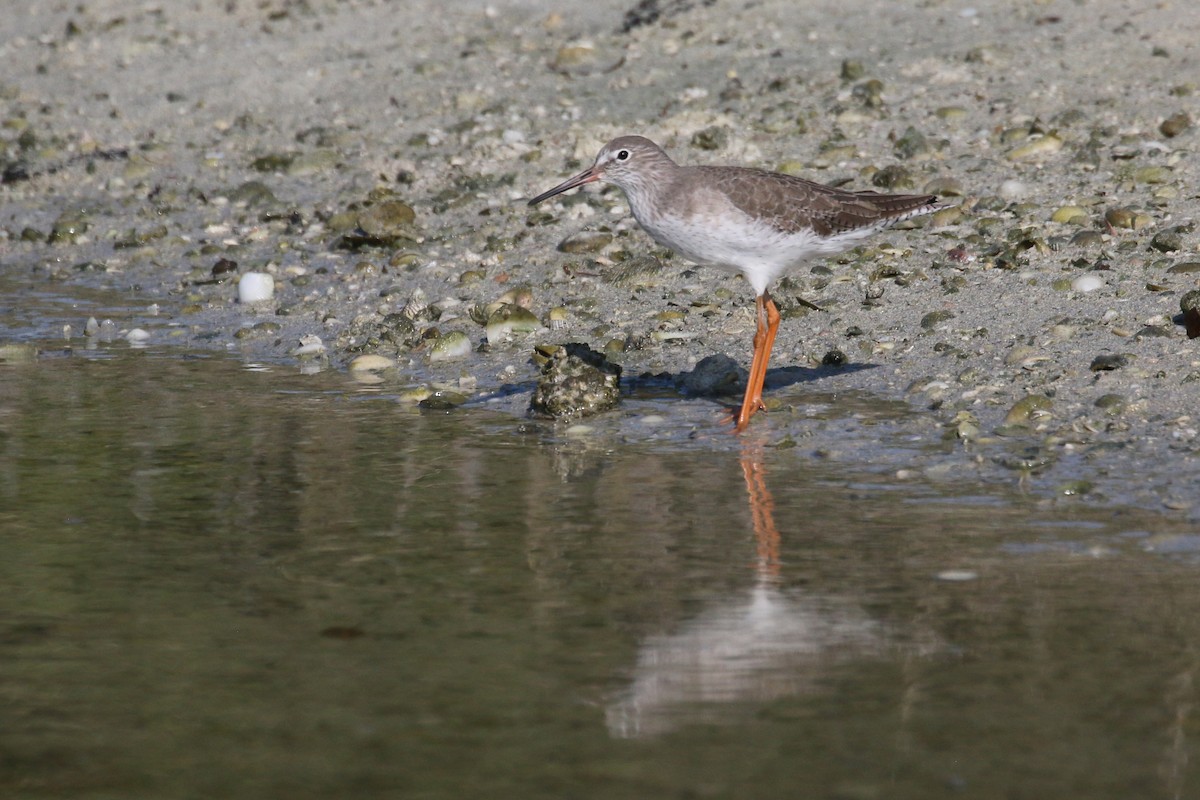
(792, 204)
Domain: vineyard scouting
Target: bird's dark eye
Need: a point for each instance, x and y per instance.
(622, 155)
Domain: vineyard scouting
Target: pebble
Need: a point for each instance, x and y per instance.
(519, 296)
(1154, 332)
(310, 346)
(1175, 124)
(965, 426)
(252, 193)
(714, 137)
(452, 345)
(1087, 283)
(255, 287)
(1028, 409)
(389, 221)
(371, 362)
(1013, 189)
(635, 273)
(442, 400)
(1087, 239)
(912, 144)
(1120, 217)
(585, 242)
(935, 318)
(712, 375)
(579, 429)
(1168, 241)
(471, 276)
(137, 337)
(68, 228)
(945, 216)
(414, 394)
(578, 58)
(1112, 404)
(1189, 304)
(834, 358)
(510, 319)
(1062, 332)
(1073, 215)
(944, 187)
(223, 267)
(1109, 361)
(1028, 459)
(1154, 174)
(313, 163)
(1190, 301)
(951, 113)
(895, 178)
(1037, 149)
(1024, 356)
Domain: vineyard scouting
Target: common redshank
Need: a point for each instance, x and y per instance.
(762, 224)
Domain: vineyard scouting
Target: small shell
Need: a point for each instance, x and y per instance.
(556, 319)
(415, 306)
(310, 347)
(454, 344)
(518, 296)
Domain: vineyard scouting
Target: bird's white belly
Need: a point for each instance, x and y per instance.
(735, 241)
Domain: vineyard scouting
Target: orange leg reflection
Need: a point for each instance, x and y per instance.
(762, 511)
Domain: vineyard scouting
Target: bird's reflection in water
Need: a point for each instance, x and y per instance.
(752, 647)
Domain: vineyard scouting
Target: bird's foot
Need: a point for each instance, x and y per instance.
(740, 416)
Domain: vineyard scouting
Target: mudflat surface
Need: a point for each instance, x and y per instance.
(1030, 335)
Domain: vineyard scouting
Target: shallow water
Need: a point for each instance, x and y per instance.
(232, 580)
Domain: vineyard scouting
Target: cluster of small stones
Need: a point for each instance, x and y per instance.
(575, 381)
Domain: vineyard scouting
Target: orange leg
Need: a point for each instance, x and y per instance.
(764, 340)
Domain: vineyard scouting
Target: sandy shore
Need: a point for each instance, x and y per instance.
(1028, 335)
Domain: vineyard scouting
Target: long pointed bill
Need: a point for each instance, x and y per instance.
(587, 176)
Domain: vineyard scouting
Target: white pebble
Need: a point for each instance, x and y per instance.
(137, 336)
(1087, 283)
(255, 287)
(310, 345)
(1013, 190)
